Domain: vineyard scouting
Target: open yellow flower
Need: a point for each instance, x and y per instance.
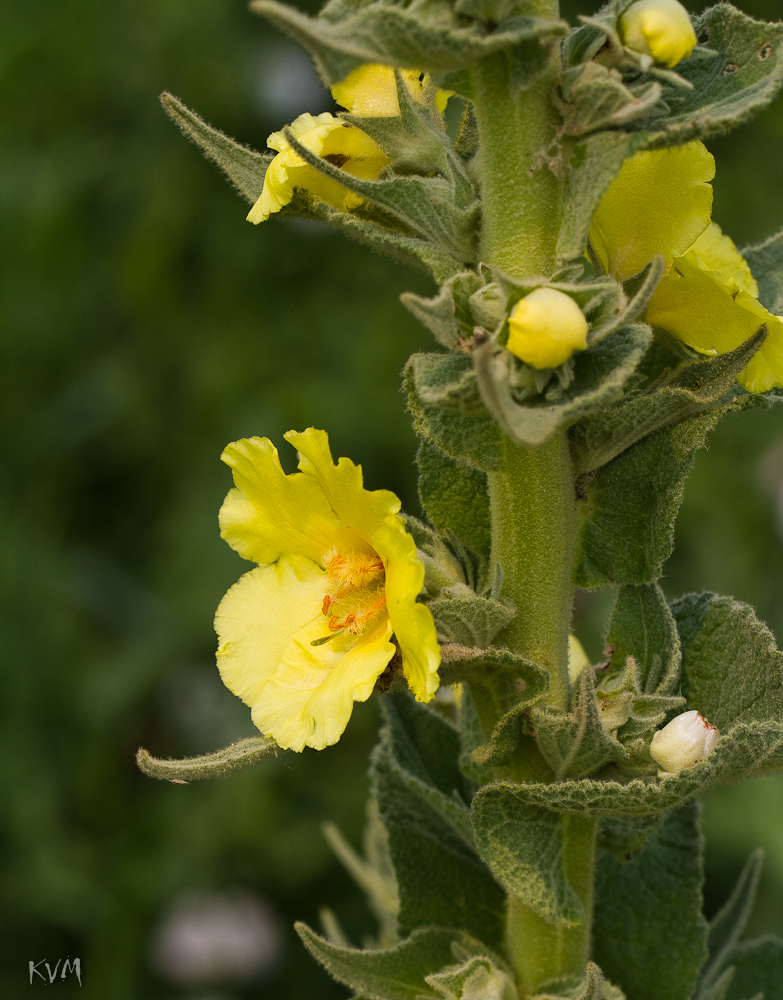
(370, 91)
(660, 203)
(309, 631)
(339, 142)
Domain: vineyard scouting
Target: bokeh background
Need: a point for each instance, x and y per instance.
(144, 325)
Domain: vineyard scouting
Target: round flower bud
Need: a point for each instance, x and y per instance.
(687, 740)
(658, 28)
(545, 328)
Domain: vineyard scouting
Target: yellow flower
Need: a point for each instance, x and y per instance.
(340, 143)
(658, 28)
(545, 328)
(309, 630)
(660, 203)
(370, 91)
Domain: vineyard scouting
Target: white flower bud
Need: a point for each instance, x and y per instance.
(687, 740)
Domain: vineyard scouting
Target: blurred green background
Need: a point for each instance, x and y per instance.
(144, 325)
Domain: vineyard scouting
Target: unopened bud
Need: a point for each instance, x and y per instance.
(546, 328)
(687, 740)
(658, 28)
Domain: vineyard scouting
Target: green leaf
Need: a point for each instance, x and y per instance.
(575, 743)
(432, 38)
(727, 927)
(474, 438)
(758, 970)
(397, 973)
(243, 753)
(244, 167)
(766, 264)
(656, 897)
(599, 374)
(448, 315)
(729, 88)
(642, 626)
(523, 846)
(592, 987)
(703, 386)
(503, 685)
(454, 495)
(623, 836)
(469, 620)
(747, 751)
(425, 205)
(732, 670)
(420, 792)
(477, 978)
(446, 381)
(631, 504)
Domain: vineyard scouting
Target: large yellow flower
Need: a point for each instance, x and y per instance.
(660, 203)
(309, 630)
(339, 142)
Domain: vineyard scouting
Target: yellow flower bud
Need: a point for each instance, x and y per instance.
(545, 328)
(687, 740)
(658, 28)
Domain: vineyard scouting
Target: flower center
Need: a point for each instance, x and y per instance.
(355, 594)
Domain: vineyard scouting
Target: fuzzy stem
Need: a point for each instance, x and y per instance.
(532, 495)
(539, 950)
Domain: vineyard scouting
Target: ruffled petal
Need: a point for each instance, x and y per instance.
(717, 252)
(271, 513)
(659, 203)
(710, 313)
(361, 510)
(413, 625)
(257, 618)
(309, 699)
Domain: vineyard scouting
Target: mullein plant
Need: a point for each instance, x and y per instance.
(534, 829)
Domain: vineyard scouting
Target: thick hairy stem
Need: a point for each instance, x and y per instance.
(532, 496)
(540, 951)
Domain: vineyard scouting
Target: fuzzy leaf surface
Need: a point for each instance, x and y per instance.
(642, 626)
(397, 973)
(732, 671)
(432, 38)
(651, 907)
(523, 845)
(454, 495)
(766, 264)
(470, 621)
(474, 438)
(758, 970)
(419, 788)
(631, 504)
(747, 751)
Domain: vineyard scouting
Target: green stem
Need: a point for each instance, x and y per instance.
(539, 950)
(532, 496)
(521, 196)
(533, 512)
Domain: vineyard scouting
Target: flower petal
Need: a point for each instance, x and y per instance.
(710, 313)
(309, 699)
(660, 202)
(369, 91)
(271, 513)
(257, 618)
(717, 252)
(361, 510)
(413, 625)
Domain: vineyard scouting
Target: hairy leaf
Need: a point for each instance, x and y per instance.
(758, 970)
(470, 620)
(747, 751)
(642, 626)
(650, 908)
(732, 670)
(766, 264)
(454, 495)
(523, 845)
